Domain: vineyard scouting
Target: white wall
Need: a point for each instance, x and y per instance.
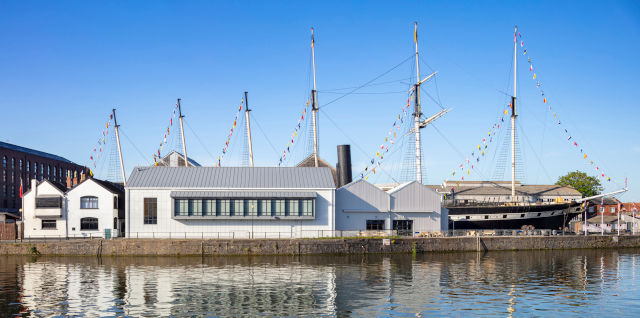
(322, 225)
(32, 224)
(104, 213)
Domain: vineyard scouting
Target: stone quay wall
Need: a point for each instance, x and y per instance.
(168, 247)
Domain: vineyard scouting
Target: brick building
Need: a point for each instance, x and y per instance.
(20, 163)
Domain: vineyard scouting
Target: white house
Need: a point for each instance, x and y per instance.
(95, 208)
(44, 207)
(229, 202)
(408, 208)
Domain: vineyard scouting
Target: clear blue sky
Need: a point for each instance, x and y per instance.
(65, 65)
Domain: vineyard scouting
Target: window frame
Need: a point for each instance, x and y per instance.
(48, 225)
(375, 225)
(150, 211)
(89, 224)
(87, 202)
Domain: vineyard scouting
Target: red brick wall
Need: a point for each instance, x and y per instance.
(7, 231)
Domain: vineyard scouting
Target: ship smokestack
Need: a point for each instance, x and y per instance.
(344, 165)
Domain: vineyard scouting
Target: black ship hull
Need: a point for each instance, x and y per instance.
(552, 216)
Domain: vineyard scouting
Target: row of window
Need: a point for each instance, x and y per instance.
(243, 207)
(397, 225)
(85, 202)
(5, 204)
(86, 224)
(55, 174)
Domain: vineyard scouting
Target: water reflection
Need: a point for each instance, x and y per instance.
(531, 283)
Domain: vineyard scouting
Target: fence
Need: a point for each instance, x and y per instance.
(304, 234)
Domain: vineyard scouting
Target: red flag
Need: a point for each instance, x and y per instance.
(171, 121)
(158, 153)
(21, 188)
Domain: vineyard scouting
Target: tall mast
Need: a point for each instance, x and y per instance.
(418, 112)
(246, 111)
(513, 118)
(115, 121)
(314, 106)
(184, 145)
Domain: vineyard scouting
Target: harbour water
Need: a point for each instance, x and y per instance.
(566, 283)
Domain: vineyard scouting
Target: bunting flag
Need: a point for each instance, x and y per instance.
(544, 101)
(295, 131)
(226, 144)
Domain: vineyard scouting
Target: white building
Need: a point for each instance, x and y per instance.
(95, 208)
(44, 207)
(229, 202)
(408, 208)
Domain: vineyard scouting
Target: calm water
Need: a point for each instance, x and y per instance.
(568, 283)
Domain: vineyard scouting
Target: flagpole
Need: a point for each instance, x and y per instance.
(115, 121)
(602, 216)
(513, 119)
(184, 145)
(618, 216)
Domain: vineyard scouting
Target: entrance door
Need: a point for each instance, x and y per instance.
(404, 227)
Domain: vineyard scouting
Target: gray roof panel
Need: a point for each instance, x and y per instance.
(231, 177)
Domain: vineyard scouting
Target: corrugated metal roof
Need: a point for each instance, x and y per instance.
(243, 194)
(33, 152)
(230, 177)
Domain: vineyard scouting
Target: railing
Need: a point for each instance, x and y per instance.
(309, 234)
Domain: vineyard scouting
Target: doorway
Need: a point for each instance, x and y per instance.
(404, 227)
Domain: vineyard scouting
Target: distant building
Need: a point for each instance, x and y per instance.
(405, 209)
(229, 202)
(20, 163)
(175, 159)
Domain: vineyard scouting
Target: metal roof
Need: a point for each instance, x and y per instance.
(230, 177)
(242, 194)
(33, 152)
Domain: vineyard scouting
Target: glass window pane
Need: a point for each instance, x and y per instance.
(238, 207)
(293, 207)
(209, 207)
(251, 207)
(224, 207)
(265, 207)
(195, 207)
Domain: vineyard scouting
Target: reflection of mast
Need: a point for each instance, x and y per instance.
(513, 119)
(314, 106)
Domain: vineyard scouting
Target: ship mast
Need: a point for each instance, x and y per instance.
(513, 118)
(314, 105)
(115, 121)
(184, 145)
(417, 112)
(247, 110)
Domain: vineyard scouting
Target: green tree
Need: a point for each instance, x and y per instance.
(588, 186)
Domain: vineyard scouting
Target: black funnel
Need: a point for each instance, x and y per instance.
(344, 165)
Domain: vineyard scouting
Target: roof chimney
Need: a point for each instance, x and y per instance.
(344, 165)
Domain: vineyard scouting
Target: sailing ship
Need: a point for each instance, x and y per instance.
(523, 207)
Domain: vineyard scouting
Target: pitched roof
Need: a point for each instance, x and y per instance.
(33, 152)
(164, 160)
(311, 163)
(607, 219)
(61, 187)
(230, 177)
(109, 186)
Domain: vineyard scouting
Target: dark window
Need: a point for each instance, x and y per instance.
(13, 191)
(88, 224)
(486, 217)
(539, 214)
(28, 165)
(55, 174)
(4, 162)
(404, 227)
(20, 164)
(4, 175)
(13, 163)
(4, 191)
(150, 211)
(375, 224)
(467, 217)
(13, 177)
(13, 204)
(48, 202)
(35, 169)
(521, 215)
(181, 207)
(552, 213)
(88, 203)
(42, 168)
(504, 216)
(5, 204)
(115, 202)
(48, 224)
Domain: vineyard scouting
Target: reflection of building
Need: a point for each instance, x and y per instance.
(409, 207)
(230, 202)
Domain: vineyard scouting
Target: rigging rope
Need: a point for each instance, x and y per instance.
(265, 135)
(134, 146)
(194, 133)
